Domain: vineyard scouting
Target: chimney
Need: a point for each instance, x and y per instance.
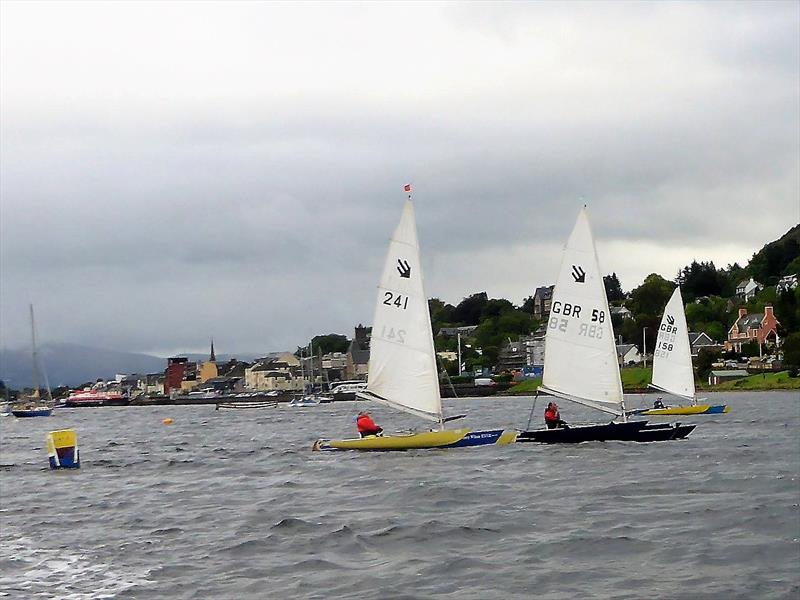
(742, 312)
(768, 312)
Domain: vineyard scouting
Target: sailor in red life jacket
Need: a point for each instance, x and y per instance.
(552, 418)
(366, 426)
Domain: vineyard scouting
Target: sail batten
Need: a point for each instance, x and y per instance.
(402, 363)
(672, 358)
(580, 351)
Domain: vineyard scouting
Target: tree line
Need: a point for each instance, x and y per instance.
(708, 293)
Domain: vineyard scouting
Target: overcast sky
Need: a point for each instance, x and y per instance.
(172, 172)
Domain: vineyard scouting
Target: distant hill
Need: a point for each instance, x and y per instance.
(72, 364)
(781, 257)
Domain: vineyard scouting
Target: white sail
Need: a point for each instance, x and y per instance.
(402, 362)
(580, 350)
(672, 359)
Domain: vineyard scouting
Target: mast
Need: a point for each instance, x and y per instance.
(311, 364)
(459, 354)
(34, 356)
(325, 378)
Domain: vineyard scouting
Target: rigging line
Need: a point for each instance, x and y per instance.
(447, 375)
(530, 416)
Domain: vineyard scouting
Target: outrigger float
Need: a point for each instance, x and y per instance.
(402, 362)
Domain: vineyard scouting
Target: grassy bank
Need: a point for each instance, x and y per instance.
(761, 382)
(527, 387)
(633, 378)
(636, 379)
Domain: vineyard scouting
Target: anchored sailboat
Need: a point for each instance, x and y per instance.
(33, 405)
(402, 362)
(580, 353)
(672, 364)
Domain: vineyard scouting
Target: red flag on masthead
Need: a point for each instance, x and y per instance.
(407, 187)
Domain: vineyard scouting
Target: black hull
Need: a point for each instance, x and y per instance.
(632, 431)
(118, 402)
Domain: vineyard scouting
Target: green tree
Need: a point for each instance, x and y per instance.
(793, 268)
(700, 279)
(750, 348)
(731, 277)
(771, 261)
(496, 307)
(791, 353)
(651, 297)
(613, 288)
(469, 310)
(715, 330)
(527, 305)
(331, 342)
(441, 313)
(787, 310)
(705, 360)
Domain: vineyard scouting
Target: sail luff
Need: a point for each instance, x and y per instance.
(604, 296)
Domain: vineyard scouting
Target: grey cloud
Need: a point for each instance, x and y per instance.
(162, 221)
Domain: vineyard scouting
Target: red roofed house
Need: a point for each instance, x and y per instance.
(758, 327)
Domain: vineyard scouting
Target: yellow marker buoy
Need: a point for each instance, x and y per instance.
(167, 421)
(62, 449)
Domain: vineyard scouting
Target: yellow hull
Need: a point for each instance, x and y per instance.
(697, 409)
(449, 438)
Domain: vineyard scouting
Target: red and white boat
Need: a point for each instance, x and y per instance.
(96, 396)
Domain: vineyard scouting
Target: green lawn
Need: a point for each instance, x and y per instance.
(527, 387)
(764, 381)
(635, 377)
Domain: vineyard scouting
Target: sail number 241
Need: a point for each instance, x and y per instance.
(398, 300)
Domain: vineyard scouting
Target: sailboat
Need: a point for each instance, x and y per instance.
(402, 362)
(580, 361)
(33, 405)
(308, 397)
(672, 364)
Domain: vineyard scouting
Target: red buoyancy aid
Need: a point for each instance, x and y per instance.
(550, 415)
(365, 424)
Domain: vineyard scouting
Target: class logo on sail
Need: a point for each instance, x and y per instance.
(578, 274)
(403, 268)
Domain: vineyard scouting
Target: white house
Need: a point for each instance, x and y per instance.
(628, 354)
(787, 283)
(620, 311)
(701, 340)
(747, 289)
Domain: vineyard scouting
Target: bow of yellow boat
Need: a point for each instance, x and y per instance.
(697, 409)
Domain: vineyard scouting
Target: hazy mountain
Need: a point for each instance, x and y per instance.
(71, 364)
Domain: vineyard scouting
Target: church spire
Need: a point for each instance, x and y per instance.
(213, 357)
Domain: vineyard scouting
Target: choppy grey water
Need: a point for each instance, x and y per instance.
(232, 504)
